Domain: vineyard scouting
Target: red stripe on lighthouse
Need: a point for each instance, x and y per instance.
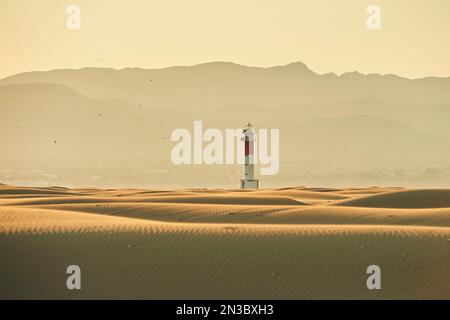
(247, 147)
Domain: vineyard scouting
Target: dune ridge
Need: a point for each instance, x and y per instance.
(407, 199)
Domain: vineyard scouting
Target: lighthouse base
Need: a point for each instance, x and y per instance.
(249, 184)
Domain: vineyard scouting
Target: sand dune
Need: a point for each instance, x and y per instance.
(291, 243)
(205, 199)
(403, 199)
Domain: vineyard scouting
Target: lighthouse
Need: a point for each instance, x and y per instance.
(249, 181)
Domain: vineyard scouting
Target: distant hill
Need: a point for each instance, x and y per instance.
(50, 133)
(362, 135)
(223, 84)
(39, 114)
(430, 118)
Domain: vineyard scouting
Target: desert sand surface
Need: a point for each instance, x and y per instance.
(291, 243)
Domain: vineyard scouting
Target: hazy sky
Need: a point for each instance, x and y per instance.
(329, 36)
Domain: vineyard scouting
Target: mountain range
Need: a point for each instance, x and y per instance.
(111, 127)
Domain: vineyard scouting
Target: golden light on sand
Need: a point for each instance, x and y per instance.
(212, 244)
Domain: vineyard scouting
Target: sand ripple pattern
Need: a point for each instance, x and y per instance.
(292, 243)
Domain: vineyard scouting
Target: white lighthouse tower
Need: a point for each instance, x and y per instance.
(249, 181)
